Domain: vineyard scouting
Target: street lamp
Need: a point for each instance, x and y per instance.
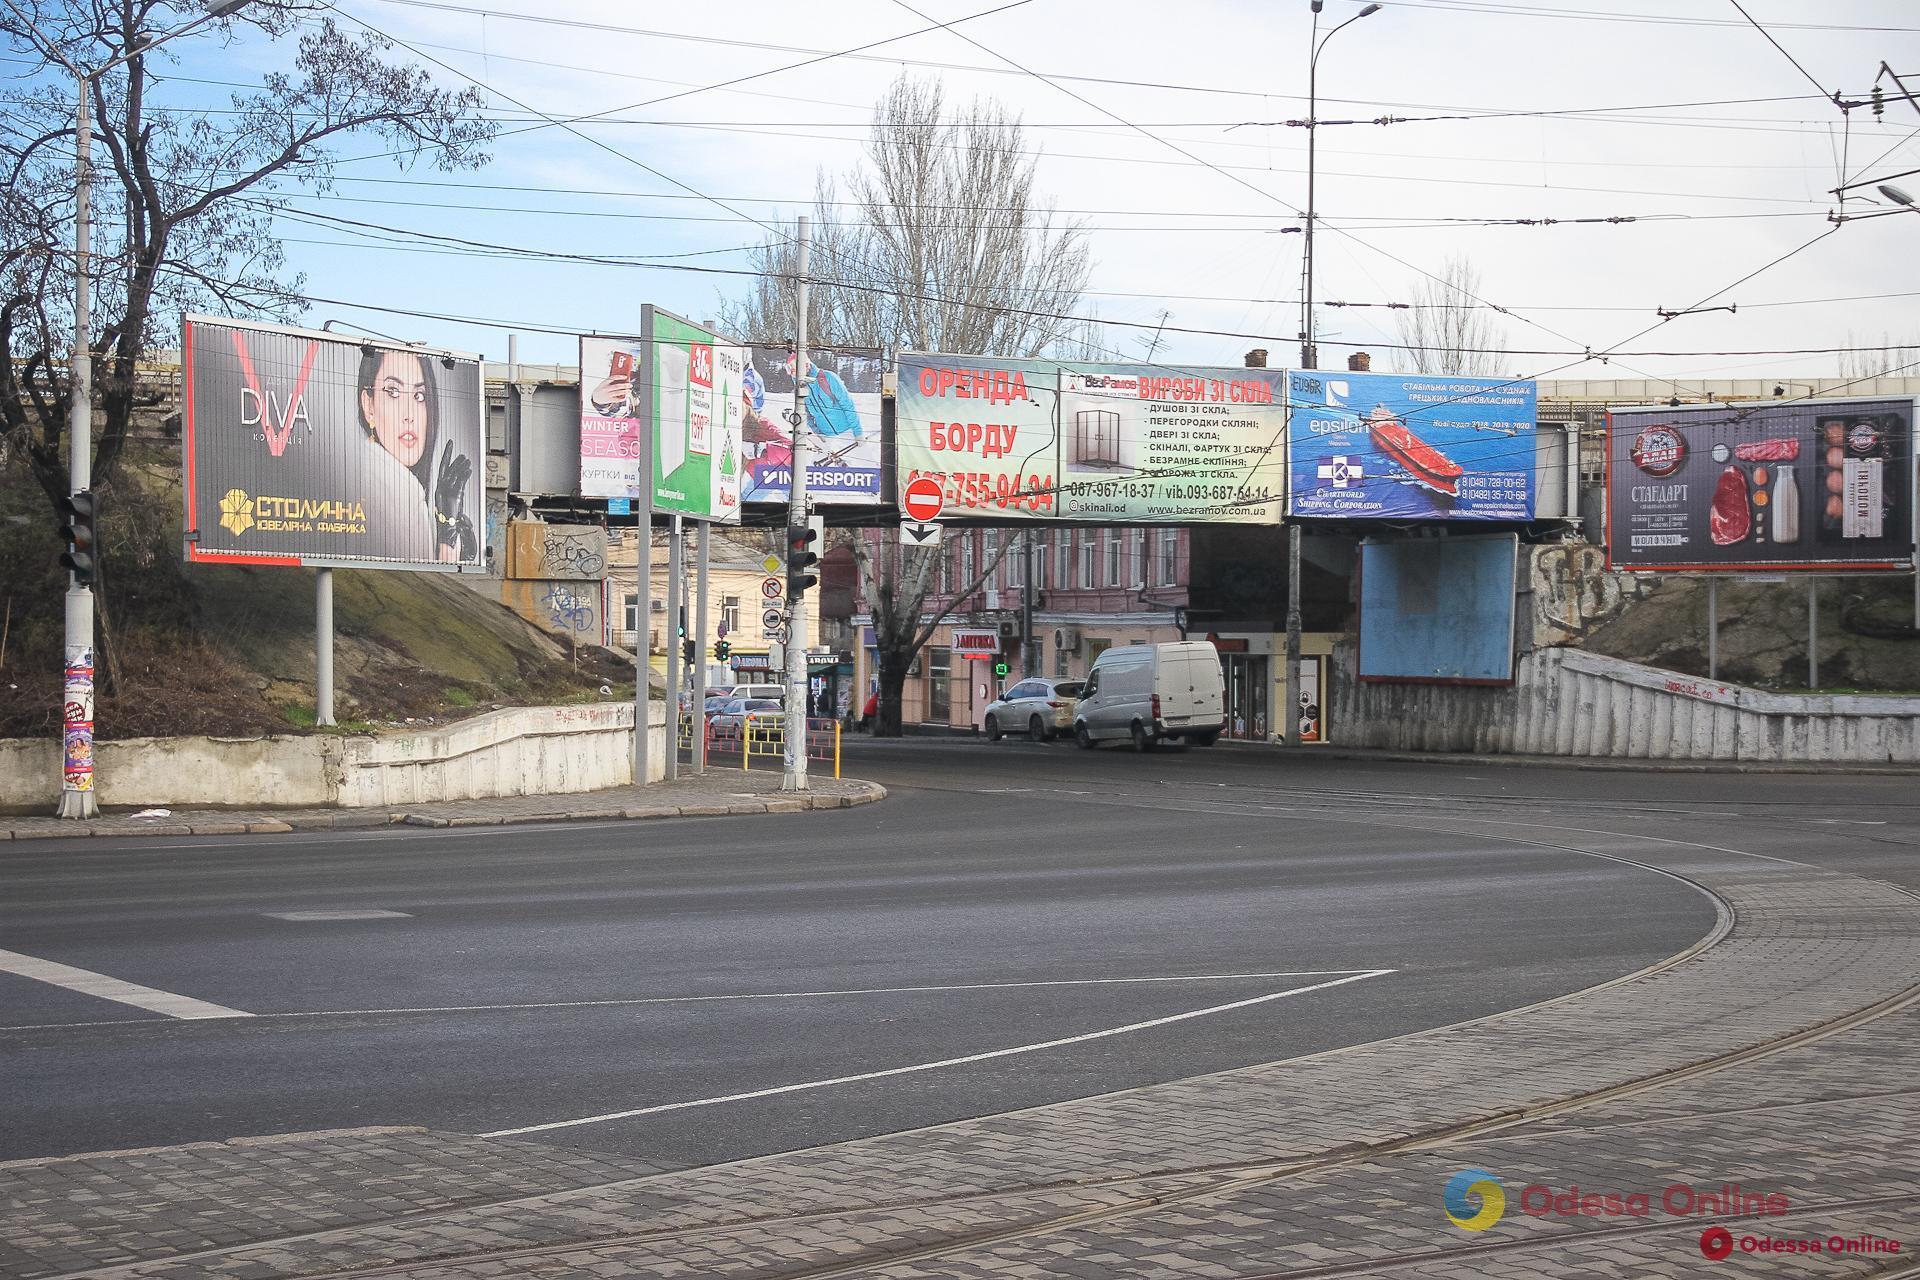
(77, 796)
(1309, 352)
(1309, 359)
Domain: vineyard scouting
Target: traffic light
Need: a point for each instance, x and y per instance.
(689, 652)
(1001, 670)
(800, 558)
(82, 556)
(721, 648)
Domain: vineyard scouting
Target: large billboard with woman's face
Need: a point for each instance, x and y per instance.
(306, 448)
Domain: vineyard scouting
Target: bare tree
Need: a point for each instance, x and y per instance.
(1446, 330)
(1863, 361)
(948, 247)
(187, 198)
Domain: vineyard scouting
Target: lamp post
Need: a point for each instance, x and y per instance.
(1309, 352)
(77, 796)
(1309, 359)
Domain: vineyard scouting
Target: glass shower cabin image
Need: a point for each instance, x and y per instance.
(1097, 438)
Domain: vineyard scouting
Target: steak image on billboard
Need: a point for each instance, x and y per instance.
(843, 424)
(306, 448)
(1807, 484)
(1411, 446)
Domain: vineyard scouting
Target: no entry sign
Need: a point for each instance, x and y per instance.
(922, 499)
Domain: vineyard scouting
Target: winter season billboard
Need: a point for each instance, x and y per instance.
(1824, 484)
(1411, 447)
(683, 385)
(1135, 443)
(843, 425)
(307, 448)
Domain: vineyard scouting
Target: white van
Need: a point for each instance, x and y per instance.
(1153, 692)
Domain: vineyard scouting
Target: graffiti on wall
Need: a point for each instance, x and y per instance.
(536, 550)
(567, 608)
(1573, 592)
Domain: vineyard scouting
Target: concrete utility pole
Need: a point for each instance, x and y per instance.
(78, 798)
(795, 776)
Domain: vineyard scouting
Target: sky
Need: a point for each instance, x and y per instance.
(1148, 123)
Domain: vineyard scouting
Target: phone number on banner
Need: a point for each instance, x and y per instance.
(979, 490)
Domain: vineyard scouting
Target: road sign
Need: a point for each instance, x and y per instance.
(772, 588)
(770, 622)
(922, 500)
(773, 564)
(920, 535)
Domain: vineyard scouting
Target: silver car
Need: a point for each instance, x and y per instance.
(1039, 706)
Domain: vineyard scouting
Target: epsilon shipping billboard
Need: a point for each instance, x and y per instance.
(1128, 443)
(305, 448)
(1814, 484)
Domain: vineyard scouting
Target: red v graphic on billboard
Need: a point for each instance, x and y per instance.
(263, 402)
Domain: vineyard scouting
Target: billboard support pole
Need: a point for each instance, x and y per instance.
(323, 647)
(1290, 721)
(1713, 628)
(643, 559)
(1813, 633)
(698, 704)
(676, 644)
(795, 776)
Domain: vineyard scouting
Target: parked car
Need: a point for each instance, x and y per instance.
(735, 714)
(776, 692)
(1039, 706)
(1153, 693)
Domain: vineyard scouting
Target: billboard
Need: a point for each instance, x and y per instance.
(676, 389)
(1134, 443)
(1411, 447)
(309, 448)
(1438, 610)
(1802, 485)
(843, 424)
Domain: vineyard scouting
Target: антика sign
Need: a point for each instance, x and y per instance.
(306, 448)
(1736, 487)
(1134, 443)
(843, 425)
(1411, 447)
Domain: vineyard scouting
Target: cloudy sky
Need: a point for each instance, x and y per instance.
(1680, 115)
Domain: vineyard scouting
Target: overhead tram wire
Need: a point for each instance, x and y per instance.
(1833, 97)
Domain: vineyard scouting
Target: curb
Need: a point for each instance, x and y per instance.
(1636, 764)
(863, 793)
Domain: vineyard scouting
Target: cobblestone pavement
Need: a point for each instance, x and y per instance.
(1780, 1055)
(716, 793)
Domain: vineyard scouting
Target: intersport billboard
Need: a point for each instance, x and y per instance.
(304, 448)
(1121, 442)
(843, 425)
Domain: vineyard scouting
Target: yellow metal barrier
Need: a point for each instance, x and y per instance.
(766, 737)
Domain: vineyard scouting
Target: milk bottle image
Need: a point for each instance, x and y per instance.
(1786, 507)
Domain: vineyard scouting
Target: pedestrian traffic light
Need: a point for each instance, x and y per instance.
(1001, 670)
(721, 648)
(82, 556)
(800, 558)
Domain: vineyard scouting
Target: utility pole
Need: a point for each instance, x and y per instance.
(1030, 658)
(799, 537)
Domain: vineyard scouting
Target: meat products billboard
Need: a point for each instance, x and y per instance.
(1129, 443)
(307, 448)
(1814, 484)
(1369, 446)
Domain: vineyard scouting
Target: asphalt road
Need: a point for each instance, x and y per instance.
(1041, 923)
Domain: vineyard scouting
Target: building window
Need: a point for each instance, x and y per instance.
(1013, 566)
(730, 613)
(632, 612)
(939, 683)
(1089, 559)
(1169, 557)
(966, 562)
(1113, 557)
(1063, 560)
(946, 567)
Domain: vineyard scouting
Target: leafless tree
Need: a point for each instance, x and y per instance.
(1446, 330)
(184, 199)
(943, 244)
(1864, 361)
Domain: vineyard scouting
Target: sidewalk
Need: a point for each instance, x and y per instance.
(1778, 1057)
(1629, 764)
(717, 793)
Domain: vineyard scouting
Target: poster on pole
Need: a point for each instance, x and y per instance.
(843, 425)
(694, 408)
(1367, 446)
(1813, 484)
(306, 448)
(1132, 443)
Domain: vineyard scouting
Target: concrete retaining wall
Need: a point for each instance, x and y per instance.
(1570, 702)
(518, 751)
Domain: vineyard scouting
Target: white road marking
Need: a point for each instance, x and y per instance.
(743, 995)
(944, 1062)
(368, 913)
(90, 983)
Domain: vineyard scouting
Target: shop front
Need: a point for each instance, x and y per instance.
(1254, 668)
